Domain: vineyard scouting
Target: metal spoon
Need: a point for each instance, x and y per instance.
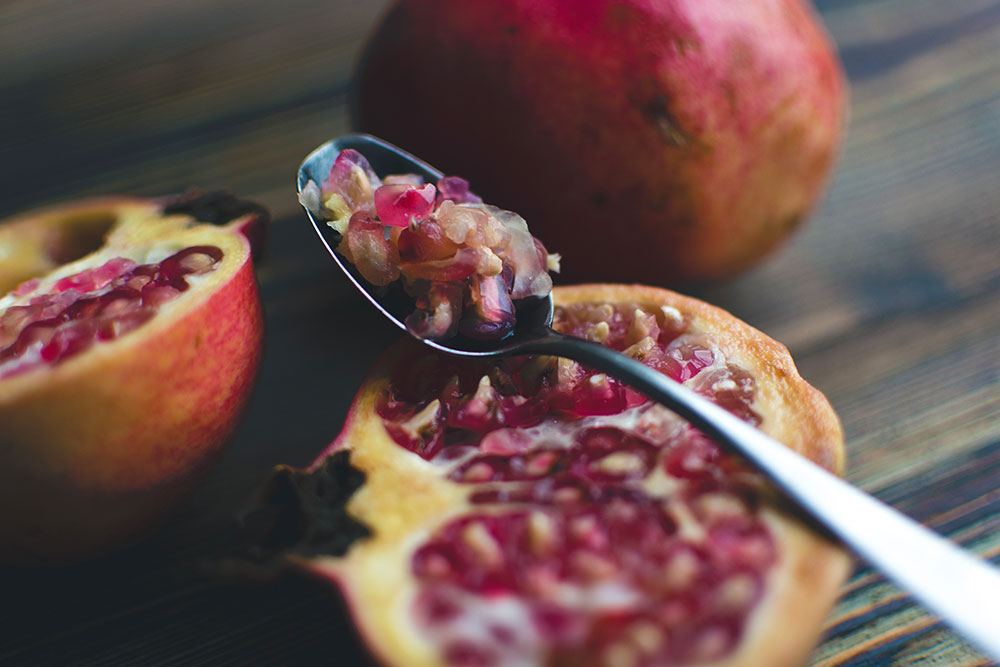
(961, 588)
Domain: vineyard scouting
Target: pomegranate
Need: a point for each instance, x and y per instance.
(530, 511)
(464, 263)
(123, 371)
(648, 140)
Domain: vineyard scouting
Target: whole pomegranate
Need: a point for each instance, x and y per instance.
(649, 140)
(530, 511)
(122, 371)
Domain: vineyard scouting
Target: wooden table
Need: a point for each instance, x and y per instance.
(887, 299)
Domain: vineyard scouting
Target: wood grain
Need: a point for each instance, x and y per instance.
(888, 298)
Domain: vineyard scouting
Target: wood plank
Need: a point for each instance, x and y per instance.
(887, 297)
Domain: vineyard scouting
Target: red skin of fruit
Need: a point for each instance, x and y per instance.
(96, 449)
(650, 140)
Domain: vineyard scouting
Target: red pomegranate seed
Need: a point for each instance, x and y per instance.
(352, 177)
(113, 268)
(457, 190)
(505, 441)
(68, 339)
(120, 325)
(466, 654)
(557, 623)
(81, 282)
(397, 205)
(694, 457)
(435, 606)
(154, 295)
(27, 287)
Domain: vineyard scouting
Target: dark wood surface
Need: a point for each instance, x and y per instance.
(888, 298)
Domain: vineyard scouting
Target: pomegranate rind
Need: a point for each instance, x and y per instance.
(97, 448)
(405, 499)
(34, 243)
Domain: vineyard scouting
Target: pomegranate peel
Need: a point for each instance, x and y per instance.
(102, 435)
(596, 528)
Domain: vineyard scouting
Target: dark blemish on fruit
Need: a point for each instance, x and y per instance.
(658, 115)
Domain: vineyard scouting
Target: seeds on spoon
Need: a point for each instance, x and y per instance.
(463, 262)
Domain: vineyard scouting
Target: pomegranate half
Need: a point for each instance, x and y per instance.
(533, 512)
(123, 371)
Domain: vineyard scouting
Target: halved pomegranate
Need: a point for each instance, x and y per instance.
(533, 512)
(123, 371)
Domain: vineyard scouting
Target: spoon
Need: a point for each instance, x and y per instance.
(961, 588)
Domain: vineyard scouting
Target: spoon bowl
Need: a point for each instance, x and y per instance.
(533, 315)
(963, 589)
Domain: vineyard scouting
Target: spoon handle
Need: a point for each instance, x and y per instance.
(961, 588)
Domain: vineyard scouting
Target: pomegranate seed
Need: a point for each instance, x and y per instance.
(467, 654)
(366, 246)
(479, 471)
(436, 607)
(736, 594)
(453, 188)
(542, 463)
(586, 532)
(540, 580)
(716, 505)
(625, 465)
(26, 287)
(711, 643)
(621, 654)
(647, 636)
(541, 534)
(477, 537)
(568, 495)
(643, 326)
(113, 268)
(118, 302)
(197, 262)
(599, 332)
(81, 282)
(399, 204)
(680, 572)
(505, 441)
(693, 458)
(433, 561)
(743, 543)
(137, 281)
(593, 567)
(154, 295)
(121, 324)
(557, 623)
